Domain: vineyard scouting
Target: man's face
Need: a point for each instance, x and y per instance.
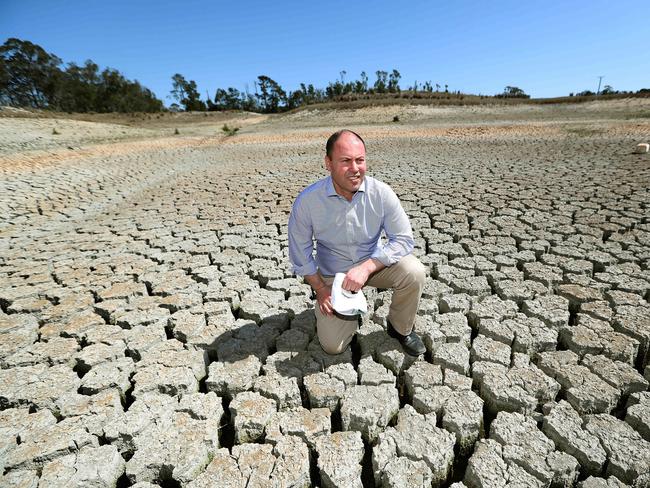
(347, 166)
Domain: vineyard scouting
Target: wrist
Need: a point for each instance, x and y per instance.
(370, 266)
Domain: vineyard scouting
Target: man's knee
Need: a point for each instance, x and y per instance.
(420, 273)
(415, 271)
(333, 349)
(334, 334)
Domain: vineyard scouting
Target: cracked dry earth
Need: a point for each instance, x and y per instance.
(152, 334)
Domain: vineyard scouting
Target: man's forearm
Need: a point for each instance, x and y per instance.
(356, 278)
(315, 281)
(372, 265)
(368, 267)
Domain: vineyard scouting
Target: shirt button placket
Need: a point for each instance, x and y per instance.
(349, 219)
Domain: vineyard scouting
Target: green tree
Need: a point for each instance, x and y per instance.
(118, 94)
(79, 88)
(608, 90)
(341, 87)
(361, 86)
(233, 99)
(4, 77)
(334, 90)
(220, 100)
(186, 93)
(178, 87)
(84, 89)
(309, 94)
(229, 99)
(194, 101)
(248, 102)
(514, 92)
(393, 82)
(295, 99)
(380, 83)
(29, 76)
(271, 96)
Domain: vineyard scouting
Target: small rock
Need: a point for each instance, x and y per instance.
(63, 438)
(454, 356)
(113, 374)
(92, 466)
(455, 328)
(251, 413)
(422, 375)
(460, 303)
(519, 389)
(230, 378)
(417, 438)
(486, 468)
(392, 356)
(374, 374)
(628, 454)
(638, 413)
(369, 409)
(339, 459)
(283, 390)
(324, 391)
(563, 426)
(402, 472)
(642, 148)
(303, 423)
(486, 349)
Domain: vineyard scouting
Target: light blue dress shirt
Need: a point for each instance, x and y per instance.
(347, 233)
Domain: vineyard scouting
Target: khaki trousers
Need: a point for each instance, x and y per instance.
(405, 278)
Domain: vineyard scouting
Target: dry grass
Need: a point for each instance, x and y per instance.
(584, 131)
(137, 119)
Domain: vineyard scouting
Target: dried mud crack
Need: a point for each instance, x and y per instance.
(152, 333)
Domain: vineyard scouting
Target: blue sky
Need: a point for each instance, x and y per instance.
(547, 48)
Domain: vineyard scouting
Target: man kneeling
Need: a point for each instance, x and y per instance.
(346, 213)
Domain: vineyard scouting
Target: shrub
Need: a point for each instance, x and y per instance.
(229, 131)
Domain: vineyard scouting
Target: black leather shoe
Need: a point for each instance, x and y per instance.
(412, 344)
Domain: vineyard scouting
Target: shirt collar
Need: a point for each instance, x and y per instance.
(331, 191)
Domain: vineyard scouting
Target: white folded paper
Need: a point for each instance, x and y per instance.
(345, 302)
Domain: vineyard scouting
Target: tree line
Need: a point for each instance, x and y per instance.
(609, 90)
(32, 77)
(270, 97)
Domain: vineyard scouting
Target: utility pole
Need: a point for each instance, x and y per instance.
(600, 78)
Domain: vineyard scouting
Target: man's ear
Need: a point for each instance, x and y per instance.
(328, 163)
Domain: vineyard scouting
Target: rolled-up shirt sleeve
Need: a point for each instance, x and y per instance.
(301, 244)
(397, 227)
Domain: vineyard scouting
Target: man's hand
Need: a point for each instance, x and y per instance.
(324, 299)
(323, 293)
(356, 277)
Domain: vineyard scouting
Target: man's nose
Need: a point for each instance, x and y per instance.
(354, 167)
